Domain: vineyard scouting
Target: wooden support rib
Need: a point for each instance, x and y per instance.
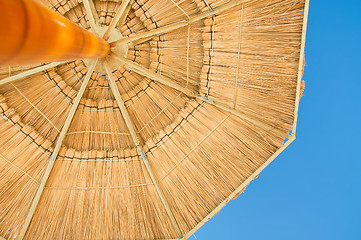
(98, 132)
(99, 187)
(152, 75)
(238, 57)
(29, 72)
(91, 13)
(159, 191)
(56, 150)
(37, 109)
(194, 148)
(243, 116)
(177, 5)
(188, 40)
(170, 83)
(120, 17)
(300, 65)
(18, 168)
(136, 140)
(142, 37)
(121, 105)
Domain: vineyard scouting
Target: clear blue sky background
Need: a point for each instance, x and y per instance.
(313, 189)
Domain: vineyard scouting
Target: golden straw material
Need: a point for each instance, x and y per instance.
(195, 99)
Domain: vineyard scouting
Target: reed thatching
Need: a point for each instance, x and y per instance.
(151, 156)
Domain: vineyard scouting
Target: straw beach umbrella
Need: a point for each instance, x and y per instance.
(149, 136)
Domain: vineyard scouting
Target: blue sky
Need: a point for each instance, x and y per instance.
(313, 189)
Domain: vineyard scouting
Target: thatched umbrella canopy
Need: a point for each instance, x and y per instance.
(195, 100)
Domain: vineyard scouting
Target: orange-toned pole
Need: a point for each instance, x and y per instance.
(31, 33)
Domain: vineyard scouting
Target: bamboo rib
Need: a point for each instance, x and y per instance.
(300, 65)
(149, 122)
(92, 14)
(18, 168)
(120, 17)
(104, 160)
(135, 138)
(170, 83)
(114, 187)
(98, 132)
(167, 137)
(37, 109)
(238, 57)
(121, 105)
(29, 72)
(243, 116)
(152, 75)
(196, 146)
(56, 150)
(142, 37)
(188, 39)
(177, 5)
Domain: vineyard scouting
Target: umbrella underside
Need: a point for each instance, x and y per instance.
(227, 103)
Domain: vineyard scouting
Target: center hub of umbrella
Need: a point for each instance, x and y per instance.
(119, 50)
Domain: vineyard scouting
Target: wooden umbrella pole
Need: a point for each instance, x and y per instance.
(30, 33)
(143, 37)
